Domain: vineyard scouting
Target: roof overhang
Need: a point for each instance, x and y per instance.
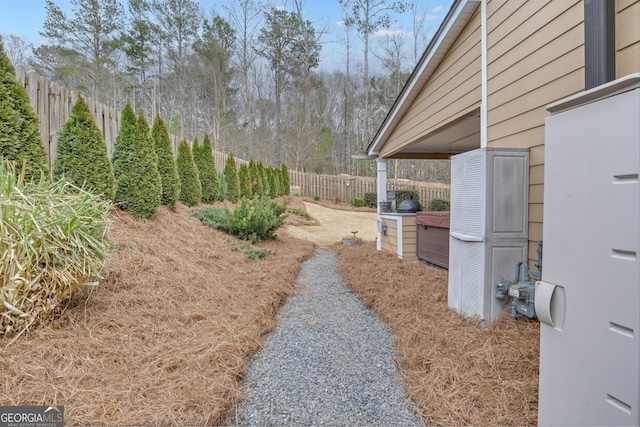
(429, 147)
(457, 137)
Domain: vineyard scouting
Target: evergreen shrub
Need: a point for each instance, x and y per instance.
(223, 186)
(190, 187)
(273, 184)
(208, 173)
(139, 189)
(255, 254)
(254, 220)
(231, 177)
(286, 183)
(166, 163)
(370, 200)
(439, 205)
(244, 177)
(123, 147)
(256, 179)
(20, 139)
(213, 216)
(277, 174)
(358, 202)
(299, 212)
(266, 189)
(82, 154)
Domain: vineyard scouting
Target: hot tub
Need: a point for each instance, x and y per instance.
(432, 242)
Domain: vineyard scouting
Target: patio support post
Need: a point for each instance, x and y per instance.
(381, 181)
(381, 184)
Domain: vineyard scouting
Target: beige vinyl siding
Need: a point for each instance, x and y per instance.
(409, 238)
(535, 56)
(452, 92)
(627, 37)
(389, 240)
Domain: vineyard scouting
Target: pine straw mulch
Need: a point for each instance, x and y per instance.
(456, 371)
(165, 337)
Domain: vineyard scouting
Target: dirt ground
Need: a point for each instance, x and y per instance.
(166, 336)
(331, 225)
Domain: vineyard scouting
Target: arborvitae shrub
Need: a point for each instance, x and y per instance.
(123, 147)
(190, 188)
(233, 182)
(82, 154)
(273, 184)
(278, 178)
(266, 189)
(215, 179)
(166, 163)
(256, 180)
(223, 186)
(20, 139)
(244, 176)
(195, 151)
(286, 183)
(139, 184)
(203, 158)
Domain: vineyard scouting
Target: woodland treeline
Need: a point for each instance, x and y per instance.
(245, 73)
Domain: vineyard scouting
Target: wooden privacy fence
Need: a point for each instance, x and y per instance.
(344, 188)
(53, 103)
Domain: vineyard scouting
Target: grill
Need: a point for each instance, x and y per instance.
(409, 205)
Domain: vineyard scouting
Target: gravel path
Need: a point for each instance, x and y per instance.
(328, 362)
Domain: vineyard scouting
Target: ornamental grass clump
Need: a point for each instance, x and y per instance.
(52, 240)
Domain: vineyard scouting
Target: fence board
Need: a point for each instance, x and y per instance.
(32, 89)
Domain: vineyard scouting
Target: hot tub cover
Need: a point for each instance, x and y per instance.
(433, 219)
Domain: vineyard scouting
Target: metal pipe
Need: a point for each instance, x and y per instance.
(539, 262)
(526, 267)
